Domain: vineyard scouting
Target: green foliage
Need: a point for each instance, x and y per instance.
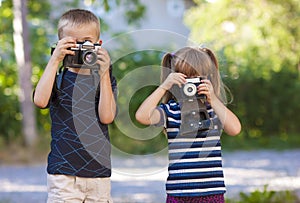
(42, 20)
(134, 85)
(135, 9)
(9, 104)
(136, 13)
(258, 47)
(267, 107)
(254, 36)
(267, 196)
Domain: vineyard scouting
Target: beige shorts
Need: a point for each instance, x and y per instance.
(71, 189)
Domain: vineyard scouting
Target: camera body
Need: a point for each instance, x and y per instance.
(85, 56)
(194, 115)
(189, 90)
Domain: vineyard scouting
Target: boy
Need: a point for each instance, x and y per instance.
(79, 166)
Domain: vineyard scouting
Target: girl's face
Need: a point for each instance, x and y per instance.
(82, 33)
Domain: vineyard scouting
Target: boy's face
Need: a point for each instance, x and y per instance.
(82, 33)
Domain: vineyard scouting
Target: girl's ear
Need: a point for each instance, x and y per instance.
(167, 66)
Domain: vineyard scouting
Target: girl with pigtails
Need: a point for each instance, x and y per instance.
(193, 122)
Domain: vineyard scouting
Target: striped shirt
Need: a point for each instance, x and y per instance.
(195, 160)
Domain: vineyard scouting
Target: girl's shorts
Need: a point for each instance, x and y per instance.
(201, 199)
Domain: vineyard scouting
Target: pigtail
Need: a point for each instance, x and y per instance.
(212, 56)
(167, 67)
(223, 92)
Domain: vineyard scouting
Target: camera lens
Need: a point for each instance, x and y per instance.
(89, 58)
(189, 89)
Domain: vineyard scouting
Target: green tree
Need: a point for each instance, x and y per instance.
(258, 44)
(23, 59)
(41, 25)
(256, 37)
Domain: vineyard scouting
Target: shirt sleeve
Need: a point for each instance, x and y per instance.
(162, 118)
(52, 96)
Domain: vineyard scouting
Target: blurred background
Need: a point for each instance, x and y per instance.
(257, 44)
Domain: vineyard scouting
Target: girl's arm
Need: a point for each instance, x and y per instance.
(229, 120)
(147, 113)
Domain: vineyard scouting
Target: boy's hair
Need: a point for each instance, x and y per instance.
(77, 17)
(193, 62)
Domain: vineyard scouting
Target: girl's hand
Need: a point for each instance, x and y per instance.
(229, 120)
(173, 78)
(62, 48)
(207, 89)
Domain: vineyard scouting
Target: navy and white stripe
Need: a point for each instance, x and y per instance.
(195, 160)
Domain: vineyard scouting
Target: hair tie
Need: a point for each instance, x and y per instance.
(202, 47)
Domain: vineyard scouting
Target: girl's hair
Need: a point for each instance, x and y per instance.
(77, 17)
(193, 62)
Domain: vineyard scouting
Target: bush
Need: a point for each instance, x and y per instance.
(267, 107)
(266, 196)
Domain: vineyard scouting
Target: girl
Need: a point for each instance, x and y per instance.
(195, 162)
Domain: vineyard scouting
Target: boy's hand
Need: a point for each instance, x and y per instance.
(103, 60)
(173, 78)
(61, 49)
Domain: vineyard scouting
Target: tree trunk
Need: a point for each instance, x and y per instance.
(22, 53)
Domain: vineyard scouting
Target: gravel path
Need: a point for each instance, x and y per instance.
(140, 179)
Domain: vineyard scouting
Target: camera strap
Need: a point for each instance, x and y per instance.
(60, 76)
(96, 77)
(194, 117)
(62, 71)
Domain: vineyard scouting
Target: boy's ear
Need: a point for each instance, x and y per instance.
(100, 42)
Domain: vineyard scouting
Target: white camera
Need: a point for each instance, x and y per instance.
(190, 88)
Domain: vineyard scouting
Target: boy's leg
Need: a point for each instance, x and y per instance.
(62, 188)
(98, 190)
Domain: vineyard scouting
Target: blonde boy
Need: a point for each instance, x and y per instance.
(79, 166)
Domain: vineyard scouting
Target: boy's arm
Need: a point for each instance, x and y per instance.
(107, 104)
(44, 87)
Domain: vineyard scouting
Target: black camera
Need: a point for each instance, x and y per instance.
(85, 56)
(189, 90)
